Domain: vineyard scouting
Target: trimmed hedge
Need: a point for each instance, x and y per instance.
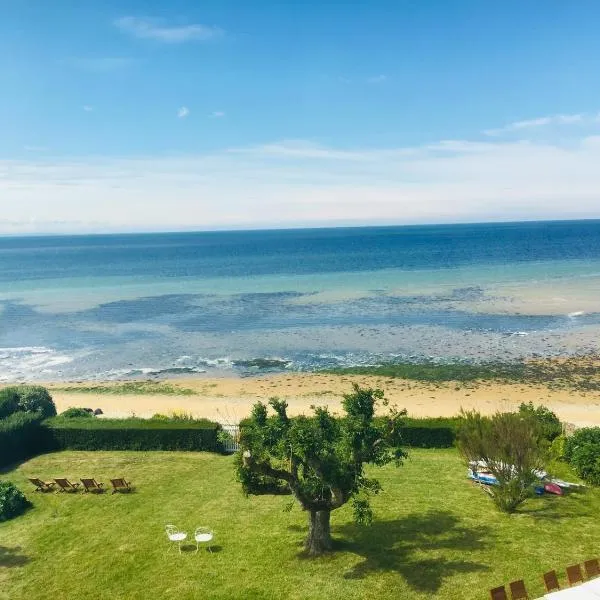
(134, 434)
(22, 435)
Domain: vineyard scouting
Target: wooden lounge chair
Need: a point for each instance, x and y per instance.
(66, 486)
(592, 568)
(518, 590)
(551, 581)
(498, 593)
(574, 574)
(42, 486)
(120, 485)
(91, 485)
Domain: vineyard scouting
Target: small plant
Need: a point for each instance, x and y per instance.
(12, 501)
(76, 412)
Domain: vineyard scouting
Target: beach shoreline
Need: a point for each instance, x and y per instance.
(230, 399)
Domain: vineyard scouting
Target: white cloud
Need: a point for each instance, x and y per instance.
(28, 148)
(104, 64)
(217, 114)
(88, 108)
(300, 183)
(537, 123)
(377, 79)
(183, 112)
(155, 29)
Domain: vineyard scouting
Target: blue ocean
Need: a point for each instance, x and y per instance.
(116, 306)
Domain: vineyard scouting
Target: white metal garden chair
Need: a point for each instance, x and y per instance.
(175, 536)
(203, 535)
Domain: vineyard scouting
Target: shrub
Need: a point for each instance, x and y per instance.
(547, 421)
(134, 434)
(12, 501)
(21, 435)
(76, 412)
(511, 446)
(29, 398)
(9, 402)
(582, 452)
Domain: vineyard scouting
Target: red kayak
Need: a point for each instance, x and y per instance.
(552, 488)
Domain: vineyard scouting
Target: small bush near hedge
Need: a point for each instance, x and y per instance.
(76, 412)
(582, 452)
(22, 435)
(12, 501)
(134, 434)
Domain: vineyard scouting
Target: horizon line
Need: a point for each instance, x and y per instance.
(287, 227)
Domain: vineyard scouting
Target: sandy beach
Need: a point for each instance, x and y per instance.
(230, 399)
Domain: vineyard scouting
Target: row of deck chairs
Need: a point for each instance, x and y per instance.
(575, 576)
(89, 485)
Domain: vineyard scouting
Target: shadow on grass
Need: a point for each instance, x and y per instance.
(575, 503)
(10, 557)
(398, 546)
(191, 549)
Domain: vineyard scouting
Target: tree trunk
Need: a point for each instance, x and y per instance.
(319, 533)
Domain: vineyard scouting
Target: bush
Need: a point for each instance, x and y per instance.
(582, 452)
(9, 402)
(12, 501)
(547, 421)
(511, 446)
(29, 398)
(77, 412)
(22, 435)
(134, 434)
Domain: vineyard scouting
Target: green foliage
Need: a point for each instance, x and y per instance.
(557, 448)
(26, 398)
(549, 424)
(9, 402)
(582, 452)
(75, 413)
(134, 434)
(145, 388)
(12, 501)
(21, 435)
(320, 458)
(511, 446)
(573, 373)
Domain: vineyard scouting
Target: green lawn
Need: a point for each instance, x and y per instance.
(435, 535)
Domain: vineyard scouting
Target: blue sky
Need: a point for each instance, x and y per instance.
(145, 115)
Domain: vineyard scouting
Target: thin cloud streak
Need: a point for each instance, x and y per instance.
(297, 181)
(183, 112)
(537, 123)
(155, 29)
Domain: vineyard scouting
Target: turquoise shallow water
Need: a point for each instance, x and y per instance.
(86, 307)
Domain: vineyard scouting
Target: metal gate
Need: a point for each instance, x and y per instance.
(232, 443)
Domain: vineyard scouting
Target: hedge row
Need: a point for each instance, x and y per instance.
(133, 434)
(136, 438)
(428, 433)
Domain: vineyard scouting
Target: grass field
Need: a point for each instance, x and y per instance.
(434, 535)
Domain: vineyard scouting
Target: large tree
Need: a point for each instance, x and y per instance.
(320, 459)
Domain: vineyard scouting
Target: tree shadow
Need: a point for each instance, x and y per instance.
(576, 502)
(398, 546)
(10, 557)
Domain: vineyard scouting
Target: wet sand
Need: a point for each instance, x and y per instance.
(230, 399)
